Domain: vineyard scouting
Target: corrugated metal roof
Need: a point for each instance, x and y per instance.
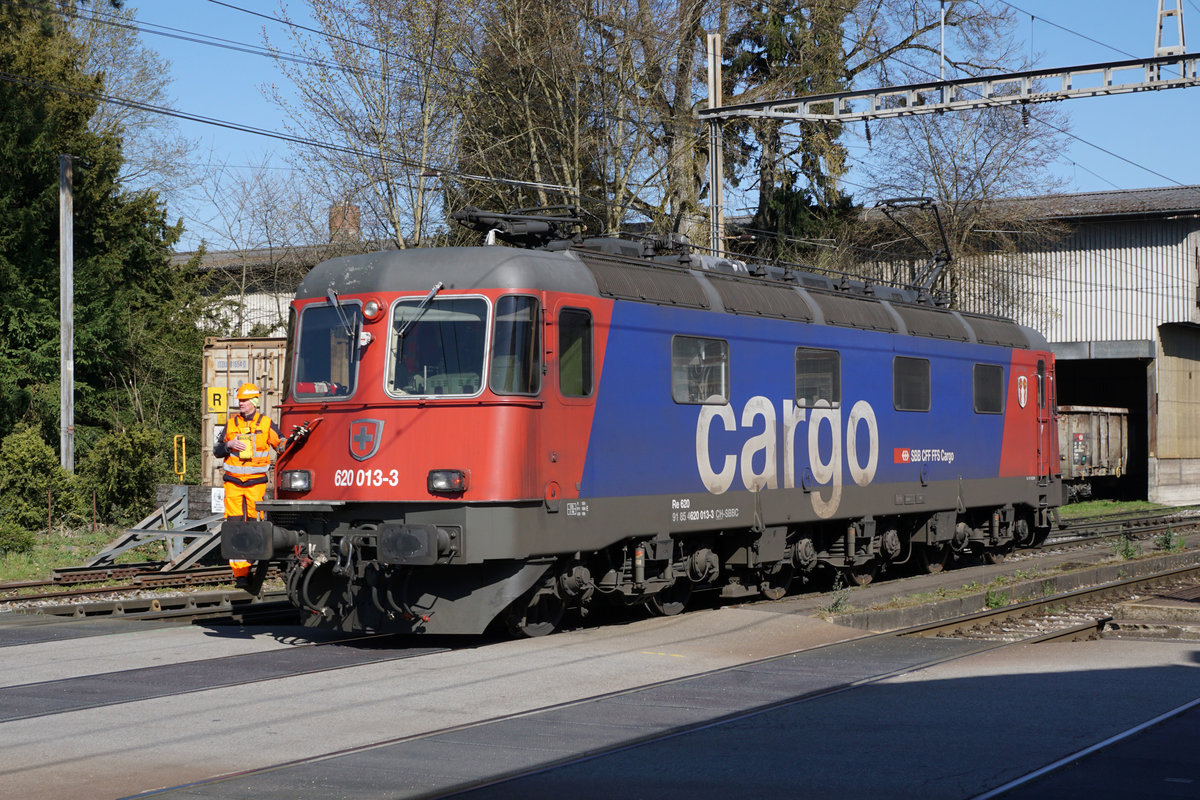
(1164, 201)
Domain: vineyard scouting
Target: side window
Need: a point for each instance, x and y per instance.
(910, 384)
(575, 353)
(516, 347)
(700, 370)
(1041, 383)
(818, 376)
(989, 389)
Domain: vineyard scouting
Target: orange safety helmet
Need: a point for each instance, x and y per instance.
(248, 391)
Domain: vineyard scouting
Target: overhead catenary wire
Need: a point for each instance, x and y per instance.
(285, 56)
(305, 141)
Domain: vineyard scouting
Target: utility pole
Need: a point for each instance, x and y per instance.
(66, 312)
(716, 150)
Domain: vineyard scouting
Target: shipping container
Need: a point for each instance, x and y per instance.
(228, 363)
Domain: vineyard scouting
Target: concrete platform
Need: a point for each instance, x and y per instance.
(1158, 761)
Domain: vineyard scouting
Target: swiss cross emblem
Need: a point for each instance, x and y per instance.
(365, 435)
(1022, 390)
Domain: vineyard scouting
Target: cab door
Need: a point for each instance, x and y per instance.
(570, 402)
(1047, 434)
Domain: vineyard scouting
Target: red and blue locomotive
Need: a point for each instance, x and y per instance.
(498, 434)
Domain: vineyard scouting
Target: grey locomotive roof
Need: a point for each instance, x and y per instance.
(650, 281)
(456, 267)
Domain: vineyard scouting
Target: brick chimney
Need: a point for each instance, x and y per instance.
(345, 223)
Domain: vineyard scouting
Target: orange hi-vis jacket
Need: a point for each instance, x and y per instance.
(248, 467)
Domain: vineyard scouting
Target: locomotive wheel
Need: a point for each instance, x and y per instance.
(539, 616)
(776, 580)
(671, 600)
(861, 574)
(1022, 532)
(932, 558)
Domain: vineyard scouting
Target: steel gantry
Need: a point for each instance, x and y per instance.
(1170, 68)
(1015, 88)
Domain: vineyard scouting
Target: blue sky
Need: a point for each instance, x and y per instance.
(1149, 136)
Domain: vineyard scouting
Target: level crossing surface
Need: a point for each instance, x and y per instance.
(759, 700)
(848, 720)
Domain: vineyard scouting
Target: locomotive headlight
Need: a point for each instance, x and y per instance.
(295, 480)
(447, 481)
(371, 309)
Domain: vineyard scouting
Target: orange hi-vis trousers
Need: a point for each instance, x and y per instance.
(242, 502)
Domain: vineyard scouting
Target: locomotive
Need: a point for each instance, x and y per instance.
(494, 435)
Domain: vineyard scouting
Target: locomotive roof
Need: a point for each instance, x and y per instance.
(581, 271)
(458, 268)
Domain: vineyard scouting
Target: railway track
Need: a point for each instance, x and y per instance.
(84, 592)
(73, 591)
(1132, 522)
(1079, 614)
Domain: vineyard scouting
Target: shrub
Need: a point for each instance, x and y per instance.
(123, 468)
(14, 538)
(30, 478)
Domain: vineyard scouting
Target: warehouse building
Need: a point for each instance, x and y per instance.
(1118, 297)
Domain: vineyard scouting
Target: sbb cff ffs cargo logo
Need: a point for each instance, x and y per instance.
(365, 436)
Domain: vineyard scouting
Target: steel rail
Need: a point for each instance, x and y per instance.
(1044, 604)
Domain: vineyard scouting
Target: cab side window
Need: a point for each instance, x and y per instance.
(575, 353)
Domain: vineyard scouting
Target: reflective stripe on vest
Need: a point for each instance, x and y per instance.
(249, 469)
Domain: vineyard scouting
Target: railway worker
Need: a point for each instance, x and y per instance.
(250, 438)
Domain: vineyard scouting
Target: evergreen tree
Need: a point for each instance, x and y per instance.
(793, 47)
(135, 313)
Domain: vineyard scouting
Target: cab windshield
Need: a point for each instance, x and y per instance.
(326, 361)
(441, 351)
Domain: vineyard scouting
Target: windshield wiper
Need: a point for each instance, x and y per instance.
(408, 323)
(337, 305)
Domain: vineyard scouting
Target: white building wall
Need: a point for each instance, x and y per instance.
(263, 308)
(1107, 281)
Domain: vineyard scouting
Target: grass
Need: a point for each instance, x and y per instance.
(1125, 547)
(839, 600)
(995, 596)
(1096, 508)
(1170, 542)
(70, 549)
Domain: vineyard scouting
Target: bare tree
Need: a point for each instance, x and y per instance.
(376, 84)
(804, 47)
(978, 165)
(274, 225)
(155, 154)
